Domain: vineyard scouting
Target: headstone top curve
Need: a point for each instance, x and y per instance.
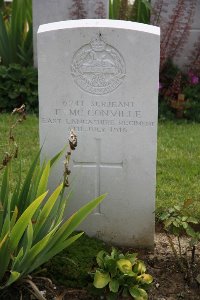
(87, 23)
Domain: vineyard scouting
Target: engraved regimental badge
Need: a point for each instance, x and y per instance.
(97, 67)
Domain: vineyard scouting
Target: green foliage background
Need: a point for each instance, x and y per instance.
(16, 33)
(18, 85)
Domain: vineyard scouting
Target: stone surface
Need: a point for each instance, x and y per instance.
(47, 11)
(101, 78)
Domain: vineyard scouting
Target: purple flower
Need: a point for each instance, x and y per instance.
(160, 86)
(193, 79)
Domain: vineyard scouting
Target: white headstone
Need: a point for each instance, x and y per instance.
(100, 77)
(47, 11)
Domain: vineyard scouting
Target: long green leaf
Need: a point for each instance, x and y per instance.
(18, 257)
(110, 10)
(1, 4)
(35, 182)
(13, 277)
(55, 250)
(6, 226)
(5, 187)
(3, 240)
(23, 221)
(28, 238)
(60, 240)
(15, 196)
(16, 34)
(29, 258)
(42, 187)
(46, 210)
(71, 224)
(23, 197)
(4, 198)
(4, 257)
(57, 157)
(5, 49)
(114, 9)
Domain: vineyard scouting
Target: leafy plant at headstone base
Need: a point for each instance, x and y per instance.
(178, 220)
(167, 89)
(139, 11)
(33, 231)
(18, 85)
(176, 97)
(179, 93)
(192, 93)
(16, 45)
(120, 275)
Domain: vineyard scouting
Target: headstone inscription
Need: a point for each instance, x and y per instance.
(47, 11)
(100, 77)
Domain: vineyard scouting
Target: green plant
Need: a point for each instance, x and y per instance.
(31, 231)
(139, 11)
(5, 8)
(18, 85)
(179, 93)
(178, 220)
(120, 275)
(16, 44)
(192, 93)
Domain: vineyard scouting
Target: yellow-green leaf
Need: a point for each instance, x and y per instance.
(137, 293)
(145, 278)
(114, 285)
(100, 258)
(44, 180)
(139, 267)
(23, 221)
(124, 265)
(101, 279)
(13, 277)
(3, 240)
(55, 250)
(42, 218)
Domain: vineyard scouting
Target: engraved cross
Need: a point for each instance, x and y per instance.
(98, 164)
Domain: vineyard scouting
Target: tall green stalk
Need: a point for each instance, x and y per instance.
(16, 44)
(139, 11)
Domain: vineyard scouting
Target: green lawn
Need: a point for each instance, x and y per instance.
(27, 137)
(178, 166)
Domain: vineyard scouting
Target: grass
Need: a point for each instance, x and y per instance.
(178, 163)
(27, 137)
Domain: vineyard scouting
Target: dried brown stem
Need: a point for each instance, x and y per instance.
(175, 252)
(72, 146)
(12, 151)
